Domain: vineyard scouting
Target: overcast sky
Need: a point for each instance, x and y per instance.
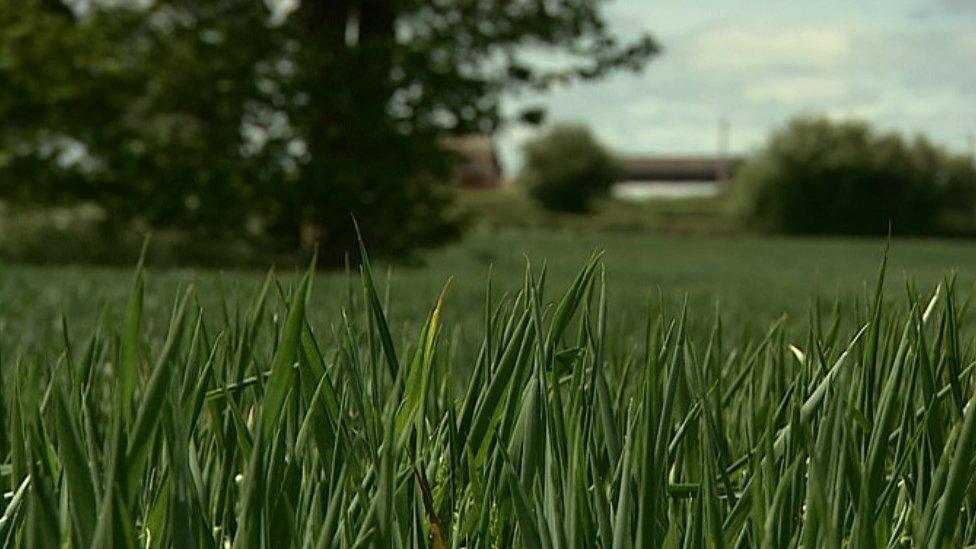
(908, 65)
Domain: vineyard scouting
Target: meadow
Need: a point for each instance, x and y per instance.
(752, 280)
(603, 390)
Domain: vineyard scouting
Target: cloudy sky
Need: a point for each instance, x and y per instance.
(908, 65)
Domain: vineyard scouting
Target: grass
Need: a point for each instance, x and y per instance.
(510, 208)
(262, 425)
(754, 281)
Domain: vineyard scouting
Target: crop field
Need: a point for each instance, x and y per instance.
(752, 282)
(677, 392)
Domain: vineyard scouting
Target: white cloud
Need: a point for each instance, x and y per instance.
(915, 105)
(756, 47)
(649, 106)
(967, 42)
(797, 90)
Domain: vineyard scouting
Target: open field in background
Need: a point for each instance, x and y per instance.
(71, 235)
(754, 280)
(510, 208)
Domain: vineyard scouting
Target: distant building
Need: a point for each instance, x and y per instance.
(669, 177)
(478, 166)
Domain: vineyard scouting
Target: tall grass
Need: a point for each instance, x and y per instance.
(260, 432)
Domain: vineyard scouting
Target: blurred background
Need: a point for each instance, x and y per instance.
(736, 151)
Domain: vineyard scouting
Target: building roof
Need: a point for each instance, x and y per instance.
(678, 168)
(474, 148)
(478, 164)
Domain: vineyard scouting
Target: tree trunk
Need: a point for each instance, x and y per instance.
(353, 44)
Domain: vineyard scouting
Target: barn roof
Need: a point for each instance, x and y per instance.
(677, 168)
(474, 148)
(478, 164)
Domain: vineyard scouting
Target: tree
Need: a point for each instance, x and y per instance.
(816, 176)
(566, 168)
(217, 115)
(136, 110)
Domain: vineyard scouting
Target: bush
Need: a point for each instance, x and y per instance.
(816, 176)
(566, 168)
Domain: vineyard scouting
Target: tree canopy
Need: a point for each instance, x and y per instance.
(243, 116)
(818, 176)
(566, 168)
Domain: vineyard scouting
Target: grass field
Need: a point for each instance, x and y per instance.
(509, 208)
(565, 416)
(753, 280)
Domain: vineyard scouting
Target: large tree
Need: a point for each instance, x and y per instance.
(215, 115)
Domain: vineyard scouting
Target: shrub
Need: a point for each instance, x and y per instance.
(566, 168)
(816, 176)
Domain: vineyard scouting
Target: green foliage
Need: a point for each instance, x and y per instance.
(816, 176)
(567, 168)
(230, 117)
(255, 430)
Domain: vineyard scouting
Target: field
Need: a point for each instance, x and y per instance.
(582, 407)
(753, 280)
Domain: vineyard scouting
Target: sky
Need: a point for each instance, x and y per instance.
(903, 65)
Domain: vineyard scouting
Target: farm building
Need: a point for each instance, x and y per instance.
(478, 166)
(666, 177)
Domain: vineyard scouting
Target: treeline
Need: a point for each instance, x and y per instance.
(812, 176)
(230, 117)
(818, 176)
